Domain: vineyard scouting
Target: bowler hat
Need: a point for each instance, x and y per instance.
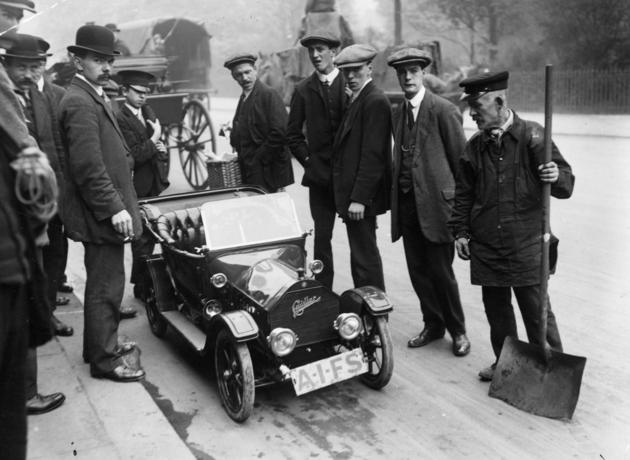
(136, 79)
(239, 58)
(355, 55)
(409, 56)
(477, 86)
(26, 46)
(324, 36)
(20, 5)
(96, 39)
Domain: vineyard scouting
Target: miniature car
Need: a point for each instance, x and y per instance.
(232, 278)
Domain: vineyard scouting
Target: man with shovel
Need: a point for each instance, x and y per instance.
(498, 204)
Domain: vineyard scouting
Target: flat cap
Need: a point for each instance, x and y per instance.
(239, 58)
(355, 55)
(30, 47)
(478, 85)
(20, 5)
(324, 36)
(409, 56)
(136, 79)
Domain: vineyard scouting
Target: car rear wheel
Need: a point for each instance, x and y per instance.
(378, 347)
(235, 376)
(156, 322)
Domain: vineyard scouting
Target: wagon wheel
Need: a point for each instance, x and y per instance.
(379, 350)
(156, 322)
(195, 138)
(235, 376)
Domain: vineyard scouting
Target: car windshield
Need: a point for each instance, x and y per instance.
(249, 220)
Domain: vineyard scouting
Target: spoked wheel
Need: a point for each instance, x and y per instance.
(195, 138)
(380, 352)
(156, 322)
(235, 376)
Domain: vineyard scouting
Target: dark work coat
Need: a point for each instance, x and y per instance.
(148, 171)
(362, 154)
(439, 143)
(310, 132)
(498, 204)
(259, 138)
(97, 168)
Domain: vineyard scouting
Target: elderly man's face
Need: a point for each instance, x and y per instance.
(245, 75)
(486, 111)
(321, 56)
(357, 76)
(24, 72)
(96, 68)
(410, 79)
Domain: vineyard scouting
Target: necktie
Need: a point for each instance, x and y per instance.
(494, 134)
(410, 120)
(108, 102)
(27, 104)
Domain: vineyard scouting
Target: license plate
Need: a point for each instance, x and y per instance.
(327, 371)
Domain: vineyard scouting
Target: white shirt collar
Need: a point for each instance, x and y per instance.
(98, 89)
(329, 78)
(40, 85)
(416, 101)
(133, 110)
(508, 122)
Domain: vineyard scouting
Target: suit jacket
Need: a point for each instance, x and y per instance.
(263, 121)
(439, 143)
(362, 154)
(310, 132)
(148, 171)
(97, 168)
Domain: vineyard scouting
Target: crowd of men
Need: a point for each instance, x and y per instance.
(91, 163)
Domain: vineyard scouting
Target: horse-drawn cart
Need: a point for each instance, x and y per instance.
(177, 52)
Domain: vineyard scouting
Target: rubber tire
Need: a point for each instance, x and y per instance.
(379, 327)
(157, 324)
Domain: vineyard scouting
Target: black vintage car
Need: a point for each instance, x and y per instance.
(233, 280)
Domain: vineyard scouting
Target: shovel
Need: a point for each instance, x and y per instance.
(536, 378)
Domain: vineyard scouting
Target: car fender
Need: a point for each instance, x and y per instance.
(365, 299)
(240, 324)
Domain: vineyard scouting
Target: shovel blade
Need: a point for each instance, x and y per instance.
(525, 380)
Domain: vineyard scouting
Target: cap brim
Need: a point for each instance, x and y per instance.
(18, 6)
(350, 65)
(140, 88)
(308, 41)
(75, 48)
(422, 62)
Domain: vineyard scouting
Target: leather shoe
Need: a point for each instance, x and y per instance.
(121, 374)
(486, 374)
(127, 312)
(65, 288)
(426, 336)
(40, 404)
(125, 347)
(461, 345)
(61, 328)
(61, 301)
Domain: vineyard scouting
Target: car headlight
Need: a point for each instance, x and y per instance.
(211, 308)
(348, 325)
(218, 280)
(282, 341)
(316, 267)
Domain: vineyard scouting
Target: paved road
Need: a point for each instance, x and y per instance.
(434, 406)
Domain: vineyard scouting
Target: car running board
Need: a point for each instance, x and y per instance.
(186, 329)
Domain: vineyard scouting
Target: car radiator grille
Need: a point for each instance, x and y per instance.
(308, 311)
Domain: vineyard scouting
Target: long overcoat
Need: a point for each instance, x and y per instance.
(97, 168)
(362, 154)
(438, 145)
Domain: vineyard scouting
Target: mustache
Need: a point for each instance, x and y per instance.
(26, 81)
(103, 76)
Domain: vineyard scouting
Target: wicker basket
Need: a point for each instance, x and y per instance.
(223, 174)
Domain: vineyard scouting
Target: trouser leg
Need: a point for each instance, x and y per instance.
(497, 302)
(105, 282)
(13, 345)
(528, 298)
(365, 259)
(54, 259)
(139, 250)
(31, 373)
(322, 204)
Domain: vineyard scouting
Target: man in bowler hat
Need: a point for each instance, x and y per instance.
(142, 130)
(362, 163)
(259, 128)
(428, 141)
(317, 107)
(99, 205)
(498, 208)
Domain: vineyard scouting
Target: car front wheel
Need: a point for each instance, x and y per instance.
(235, 376)
(157, 323)
(379, 350)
